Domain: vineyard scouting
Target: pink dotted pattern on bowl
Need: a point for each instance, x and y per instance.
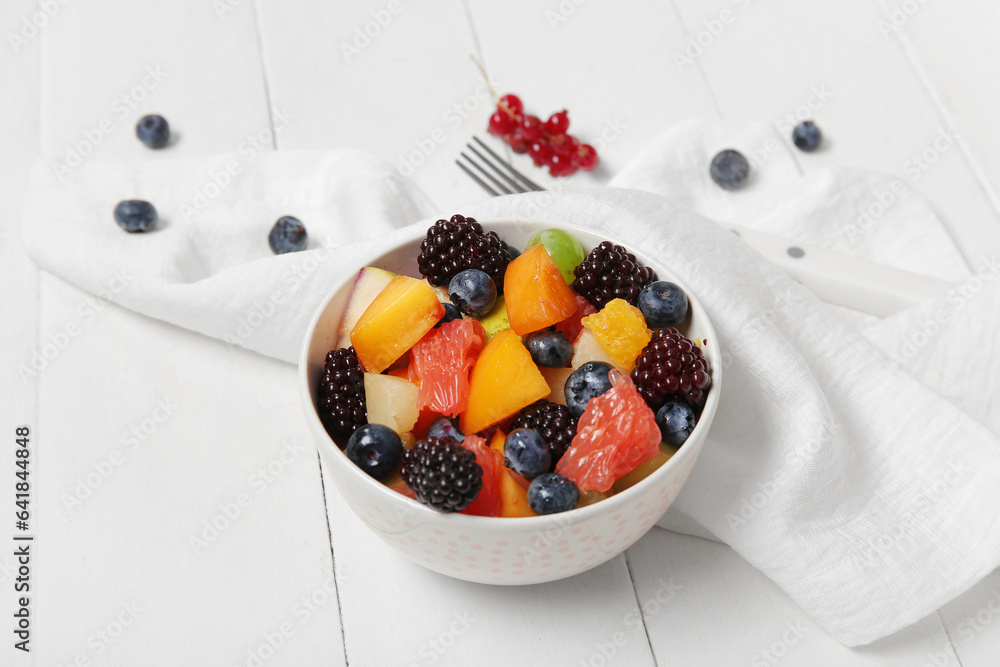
(560, 549)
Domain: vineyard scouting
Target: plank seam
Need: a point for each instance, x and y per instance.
(258, 31)
(954, 646)
(333, 561)
(701, 68)
(642, 615)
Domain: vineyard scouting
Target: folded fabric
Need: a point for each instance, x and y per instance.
(858, 476)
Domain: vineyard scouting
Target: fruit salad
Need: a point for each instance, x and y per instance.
(511, 382)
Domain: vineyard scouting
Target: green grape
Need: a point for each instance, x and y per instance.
(564, 250)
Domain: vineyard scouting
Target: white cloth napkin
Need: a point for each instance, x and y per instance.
(857, 469)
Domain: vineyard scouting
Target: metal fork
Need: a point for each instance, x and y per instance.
(839, 279)
(518, 184)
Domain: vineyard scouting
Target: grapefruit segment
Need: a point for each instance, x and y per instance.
(616, 433)
(440, 363)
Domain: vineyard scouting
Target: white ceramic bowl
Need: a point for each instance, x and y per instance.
(503, 550)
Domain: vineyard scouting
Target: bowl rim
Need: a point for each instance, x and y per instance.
(577, 515)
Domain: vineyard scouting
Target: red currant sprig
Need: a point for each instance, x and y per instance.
(549, 144)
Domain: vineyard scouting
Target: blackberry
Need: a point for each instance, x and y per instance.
(553, 421)
(342, 395)
(611, 272)
(455, 245)
(442, 474)
(672, 367)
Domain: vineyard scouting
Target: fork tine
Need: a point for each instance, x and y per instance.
(514, 184)
(530, 184)
(499, 186)
(481, 182)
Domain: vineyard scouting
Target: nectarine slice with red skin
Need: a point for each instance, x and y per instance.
(503, 381)
(396, 319)
(488, 500)
(535, 292)
(513, 487)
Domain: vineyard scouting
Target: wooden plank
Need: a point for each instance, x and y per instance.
(164, 437)
(973, 623)
(380, 75)
(939, 40)
(18, 295)
(951, 47)
(877, 118)
(442, 621)
(704, 605)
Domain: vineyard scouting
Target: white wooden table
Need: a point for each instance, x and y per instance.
(144, 434)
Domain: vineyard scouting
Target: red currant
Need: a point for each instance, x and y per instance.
(564, 145)
(513, 103)
(558, 123)
(540, 151)
(501, 123)
(561, 165)
(586, 157)
(517, 142)
(532, 127)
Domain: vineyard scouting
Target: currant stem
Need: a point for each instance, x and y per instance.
(486, 78)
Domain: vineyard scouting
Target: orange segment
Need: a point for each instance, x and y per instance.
(503, 381)
(621, 331)
(535, 292)
(399, 316)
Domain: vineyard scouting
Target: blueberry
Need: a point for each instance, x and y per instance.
(153, 130)
(676, 420)
(450, 313)
(549, 348)
(375, 448)
(288, 235)
(526, 453)
(663, 304)
(473, 291)
(551, 493)
(135, 215)
(586, 382)
(806, 136)
(513, 253)
(729, 169)
(442, 427)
